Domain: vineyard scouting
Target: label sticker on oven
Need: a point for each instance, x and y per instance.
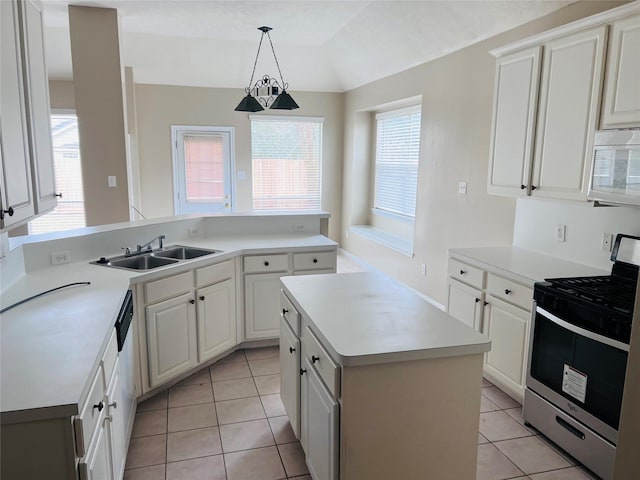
(574, 383)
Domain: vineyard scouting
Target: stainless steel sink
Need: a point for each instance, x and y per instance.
(184, 253)
(142, 262)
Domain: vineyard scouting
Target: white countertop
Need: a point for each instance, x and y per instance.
(50, 346)
(525, 266)
(367, 318)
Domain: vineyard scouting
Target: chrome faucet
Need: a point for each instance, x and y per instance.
(147, 245)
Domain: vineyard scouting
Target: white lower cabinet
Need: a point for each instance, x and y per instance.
(261, 294)
(117, 423)
(171, 337)
(319, 414)
(289, 375)
(97, 465)
(507, 326)
(216, 319)
(465, 304)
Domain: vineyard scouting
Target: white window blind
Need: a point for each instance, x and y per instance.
(286, 157)
(69, 213)
(397, 154)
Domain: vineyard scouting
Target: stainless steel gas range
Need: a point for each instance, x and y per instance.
(579, 345)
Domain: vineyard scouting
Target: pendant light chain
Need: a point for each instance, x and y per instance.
(284, 85)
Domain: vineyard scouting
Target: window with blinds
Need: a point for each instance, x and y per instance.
(397, 154)
(69, 213)
(286, 157)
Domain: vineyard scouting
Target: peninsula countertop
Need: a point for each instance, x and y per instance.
(368, 318)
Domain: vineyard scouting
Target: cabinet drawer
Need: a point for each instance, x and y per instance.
(110, 356)
(320, 359)
(214, 273)
(86, 422)
(314, 261)
(266, 263)
(466, 273)
(168, 287)
(510, 291)
(290, 314)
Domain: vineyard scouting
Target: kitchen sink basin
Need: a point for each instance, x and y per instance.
(142, 262)
(184, 253)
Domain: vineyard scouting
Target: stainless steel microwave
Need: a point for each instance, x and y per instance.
(615, 172)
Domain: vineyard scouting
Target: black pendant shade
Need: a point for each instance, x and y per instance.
(249, 104)
(261, 95)
(284, 101)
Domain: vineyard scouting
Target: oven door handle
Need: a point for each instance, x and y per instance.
(581, 331)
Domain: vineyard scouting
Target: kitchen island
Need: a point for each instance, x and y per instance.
(377, 382)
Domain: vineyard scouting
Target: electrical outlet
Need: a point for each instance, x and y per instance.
(194, 232)
(561, 233)
(462, 188)
(299, 228)
(607, 242)
(58, 258)
(423, 269)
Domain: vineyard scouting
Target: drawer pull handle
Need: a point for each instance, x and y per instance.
(113, 405)
(507, 291)
(266, 263)
(192, 301)
(314, 359)
(303, 371)
(201, 297)
(291, 349)
(99, 406)
(563, 423)
(315, 260)
(284, 311)
(463, 272)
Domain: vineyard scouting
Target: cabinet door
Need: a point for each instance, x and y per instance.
(514, 116)
(319, 422)
(290, 374)
(171, 333)
(508, 328)
(15, 171)
(621, 104)
(38, 112)
(216, 319)
(569, 99)
(97, 463)
(116, 410)
(465, 304)
(262, 305)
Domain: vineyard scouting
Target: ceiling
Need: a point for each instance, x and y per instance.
(322, 45)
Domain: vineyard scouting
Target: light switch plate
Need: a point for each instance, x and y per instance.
(462, 187)
(561, 232)
(111, 180)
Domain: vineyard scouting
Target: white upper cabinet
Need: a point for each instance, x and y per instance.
(37, 102)
(514, 115)
(621, 102)
(568, 111)
(16, 194)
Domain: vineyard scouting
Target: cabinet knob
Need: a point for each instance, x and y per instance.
(266, 263)
(486, 303)
(463, 272)
(192, 301)
(9, 211)
(303, 371)
(59, 195)
(99, 406)
(533, 187)
(314, 359)
(113, 405)
(201, 297)
(522, 187)
(477, 300)
(507, 291)
(315, 260)
(291, 349)
(285, 311)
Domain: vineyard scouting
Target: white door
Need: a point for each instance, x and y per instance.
(319, 417)
(116, 411)
(171, 333)
(262, 305)
(621, 103)
(507, 327)
(514, 117)
(216, 319)
(465, 304)
(37, 88)
(290, 375)
(569, 101)
(202, 169)
(16, 195)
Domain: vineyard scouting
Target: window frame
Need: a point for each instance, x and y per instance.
(179, 174)
(290, 118)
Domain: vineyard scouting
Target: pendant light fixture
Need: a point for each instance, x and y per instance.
(266, 92)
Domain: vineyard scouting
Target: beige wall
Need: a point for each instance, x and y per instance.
(457, 92)
(160, 106)
(61, 95)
